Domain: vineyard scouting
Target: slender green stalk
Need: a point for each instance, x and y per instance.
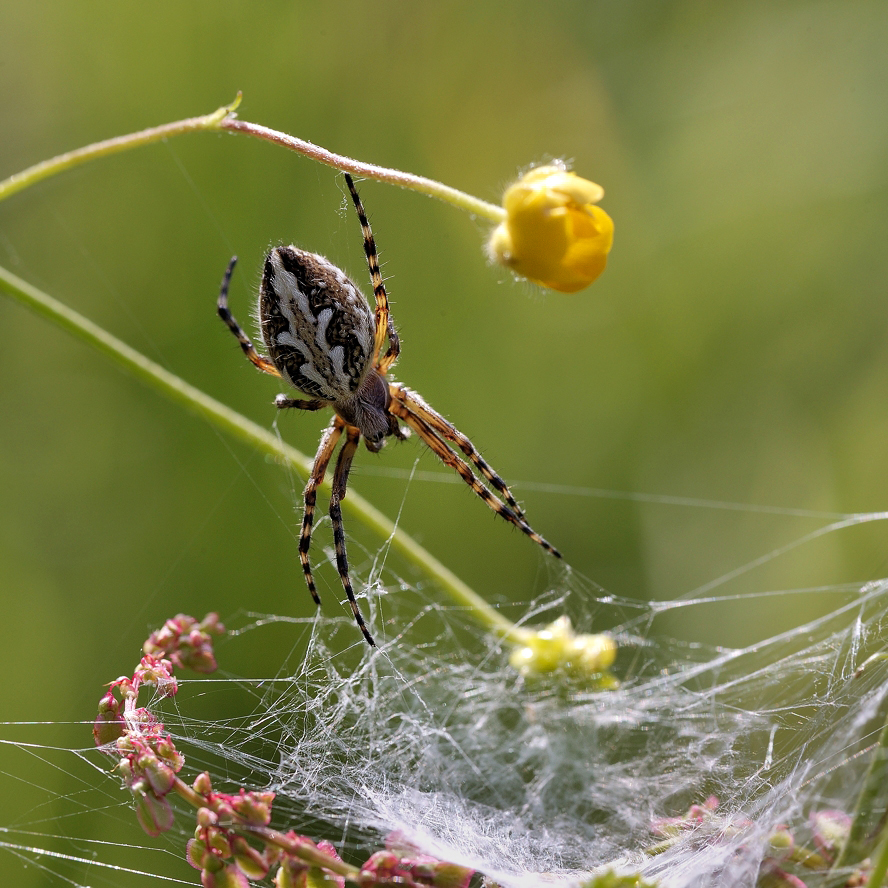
(869, 825)
(69, 159)
(224, 119)
(880, 865)
(240, 427)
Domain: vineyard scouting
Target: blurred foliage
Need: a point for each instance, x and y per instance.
(735, 349)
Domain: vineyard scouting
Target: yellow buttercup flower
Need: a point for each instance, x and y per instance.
(553, 233)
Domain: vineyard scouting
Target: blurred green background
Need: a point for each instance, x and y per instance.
(736, 349)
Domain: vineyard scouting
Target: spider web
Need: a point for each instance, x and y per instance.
(436, 737)
(527, 781)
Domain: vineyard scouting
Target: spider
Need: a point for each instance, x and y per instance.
(323, 339)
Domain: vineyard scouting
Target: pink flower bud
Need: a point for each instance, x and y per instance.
(831, 830)
(186, 642)
(218, 842)
(154, 814)
(782, 842)
(202, 784)
(108, 726)
(386, 867)
(160, 777)
(206, 818)
(254, 807)
(227, 877)
(196, 853)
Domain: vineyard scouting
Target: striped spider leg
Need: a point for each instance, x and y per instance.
(323, 339)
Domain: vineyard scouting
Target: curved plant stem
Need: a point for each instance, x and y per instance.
(880, 865)
(224, 119)
(69, 159)
(240, 427)
(430, 187)
(869, 825)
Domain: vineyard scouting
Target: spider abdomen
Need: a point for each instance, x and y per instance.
(316, 324)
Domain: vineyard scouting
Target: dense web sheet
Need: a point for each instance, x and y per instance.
(478, 767)
(528, 781)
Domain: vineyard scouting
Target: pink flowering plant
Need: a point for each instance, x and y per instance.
(786, 857)
(233, 842)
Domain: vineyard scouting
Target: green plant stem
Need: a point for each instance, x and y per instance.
(224, 119)
(880, 865)
(69, 159)
(240, 427)
(869, 824)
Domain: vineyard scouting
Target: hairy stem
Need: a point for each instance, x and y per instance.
(240, 427)
(224, 119)
(429, 187)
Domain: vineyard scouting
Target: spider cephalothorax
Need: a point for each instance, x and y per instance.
(323, 339)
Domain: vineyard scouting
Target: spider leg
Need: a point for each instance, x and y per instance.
(449, 432)
(448, 457)
(325, 450)
(340, 482)
(260, 361)
(385, 326)
(282, 402)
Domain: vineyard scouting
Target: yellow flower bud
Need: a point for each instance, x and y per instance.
(553, 233)
(557, 647)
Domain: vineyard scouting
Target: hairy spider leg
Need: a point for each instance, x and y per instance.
(402, 408)
(449, 432)
(260, 361)
(282, 402)
(385, 326)
(340, 483)
(309, 496)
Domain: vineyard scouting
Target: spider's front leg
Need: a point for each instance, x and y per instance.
(282, 402)
(340, 483)
(385, 325)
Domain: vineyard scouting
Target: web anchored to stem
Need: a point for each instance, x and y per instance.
(706, 766)
(733, 768)
(233, 841)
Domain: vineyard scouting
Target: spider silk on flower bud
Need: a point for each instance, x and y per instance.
(553, 233)
(557, 648)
